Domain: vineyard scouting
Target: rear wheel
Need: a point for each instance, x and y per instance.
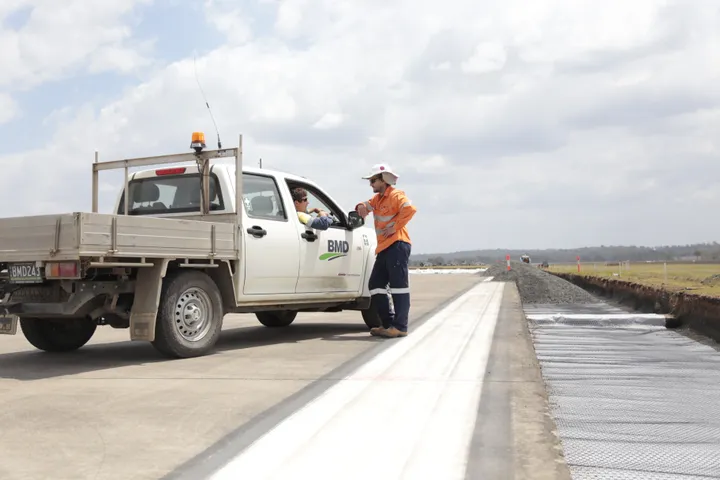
(190, 316)
(54, 335)
(275, 319)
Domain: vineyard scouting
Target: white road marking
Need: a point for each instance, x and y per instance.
(624, 320)
(595, 316)
(407, 413)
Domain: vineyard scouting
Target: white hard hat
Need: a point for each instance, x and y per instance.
(387, 173)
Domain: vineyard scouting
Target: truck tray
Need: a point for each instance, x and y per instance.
(80, 234)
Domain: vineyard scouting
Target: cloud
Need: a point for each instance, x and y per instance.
(8, 108)
(556, 123)
(59, 38)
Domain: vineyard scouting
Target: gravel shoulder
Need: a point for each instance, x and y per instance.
(539, 287)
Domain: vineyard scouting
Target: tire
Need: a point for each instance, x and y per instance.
(371, 318)
(190, 315)
(276, 319)
(54, 335)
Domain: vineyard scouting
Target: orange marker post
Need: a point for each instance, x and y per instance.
(507, 259)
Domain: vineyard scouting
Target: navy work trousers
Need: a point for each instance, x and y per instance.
(391, 267)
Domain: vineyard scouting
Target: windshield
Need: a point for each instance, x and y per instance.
(169, 194)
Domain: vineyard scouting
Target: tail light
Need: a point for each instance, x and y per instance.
(60, 270)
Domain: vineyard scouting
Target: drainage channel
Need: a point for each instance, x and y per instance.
(631, 399)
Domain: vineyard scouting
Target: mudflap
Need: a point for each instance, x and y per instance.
(147, 297)
(8, 324)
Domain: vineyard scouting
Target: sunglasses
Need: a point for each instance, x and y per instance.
(375, 179)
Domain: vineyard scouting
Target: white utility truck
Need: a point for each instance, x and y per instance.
(178, 254)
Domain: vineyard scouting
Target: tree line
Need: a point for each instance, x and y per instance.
(704, 252)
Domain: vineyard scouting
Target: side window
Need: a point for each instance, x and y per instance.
(262, 198)
(316, 200)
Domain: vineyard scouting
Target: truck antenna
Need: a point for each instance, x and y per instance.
(217, 132)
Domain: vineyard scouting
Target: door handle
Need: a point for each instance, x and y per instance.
(256, 231)
(309, 236)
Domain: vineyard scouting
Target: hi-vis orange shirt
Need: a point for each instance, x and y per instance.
(390, 210)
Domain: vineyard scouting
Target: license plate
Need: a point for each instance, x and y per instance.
(25, 273)
(8, 324)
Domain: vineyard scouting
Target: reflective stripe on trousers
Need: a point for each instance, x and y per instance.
(380, 291)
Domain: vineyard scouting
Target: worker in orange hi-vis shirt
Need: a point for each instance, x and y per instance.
(392, 211)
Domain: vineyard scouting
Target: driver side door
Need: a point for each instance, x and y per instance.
(331, 260)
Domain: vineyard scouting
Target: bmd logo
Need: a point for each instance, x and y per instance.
(336, 249)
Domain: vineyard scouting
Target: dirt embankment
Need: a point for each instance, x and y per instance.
(698, 312)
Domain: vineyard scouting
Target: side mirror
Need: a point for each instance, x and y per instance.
(355, 220)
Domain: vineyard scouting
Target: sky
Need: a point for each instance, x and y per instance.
(548, 124)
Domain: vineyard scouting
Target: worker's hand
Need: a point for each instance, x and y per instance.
(388, 231)
(362, 210)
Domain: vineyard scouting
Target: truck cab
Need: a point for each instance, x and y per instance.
(283, 259)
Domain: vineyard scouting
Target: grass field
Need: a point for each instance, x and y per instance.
(702, 279)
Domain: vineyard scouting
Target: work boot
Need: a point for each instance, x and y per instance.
(392, 332)
(377, 331)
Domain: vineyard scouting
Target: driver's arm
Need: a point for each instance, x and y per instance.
(320, 212)
(318, 223)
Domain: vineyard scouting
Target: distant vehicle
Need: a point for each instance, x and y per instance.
(525, 258)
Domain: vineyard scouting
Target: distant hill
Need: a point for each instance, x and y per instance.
(602, 253)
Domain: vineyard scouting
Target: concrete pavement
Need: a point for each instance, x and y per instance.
(116, 410)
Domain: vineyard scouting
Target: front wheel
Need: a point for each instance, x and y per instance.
(190, 316)
(371, 318)
(55, 335)
(282, 318)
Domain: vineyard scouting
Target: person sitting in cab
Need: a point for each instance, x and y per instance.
(300, 199)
